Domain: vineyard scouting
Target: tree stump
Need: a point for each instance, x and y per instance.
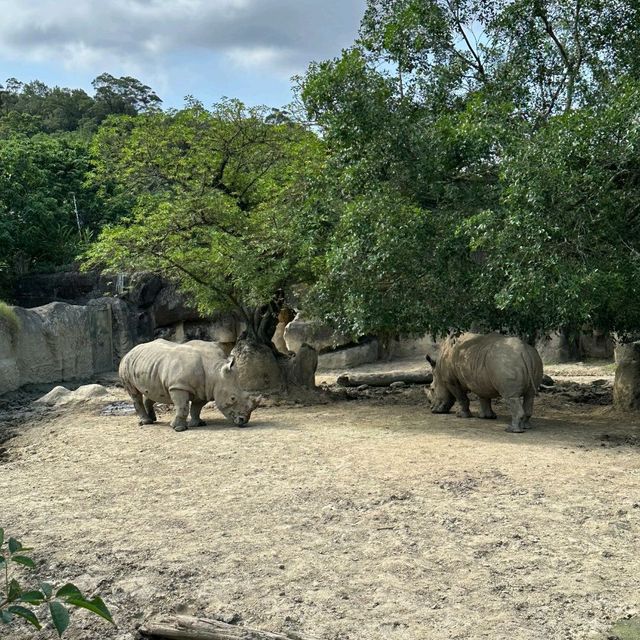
(260, 369)
(626, 386)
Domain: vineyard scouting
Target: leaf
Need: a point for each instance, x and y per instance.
(25, 613)
(60, 616)
(32, 597)
(69, 591)
(24, 560)
(14, 591)
(6, 616)
(95, 605)
(1, 536)
(14, 545)
(47, 589)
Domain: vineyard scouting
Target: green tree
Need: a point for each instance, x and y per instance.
(482, 116)
(212, 198)
(46, 210)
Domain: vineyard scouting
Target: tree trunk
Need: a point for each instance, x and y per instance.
(261, 365)
(626, 387)
(191, 628)
(385, 379)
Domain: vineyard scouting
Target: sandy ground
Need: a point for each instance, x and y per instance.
(367, 518)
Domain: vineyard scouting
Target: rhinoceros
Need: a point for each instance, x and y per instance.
(195, 372)
(488, 365)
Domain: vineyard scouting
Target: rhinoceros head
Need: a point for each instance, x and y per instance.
(440, 398)
(235, 404)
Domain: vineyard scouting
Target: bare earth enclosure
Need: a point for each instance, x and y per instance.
(363, 517)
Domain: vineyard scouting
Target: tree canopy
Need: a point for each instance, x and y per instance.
(508, 129)
(211, 195)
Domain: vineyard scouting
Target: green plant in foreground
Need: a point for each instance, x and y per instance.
(20, 602)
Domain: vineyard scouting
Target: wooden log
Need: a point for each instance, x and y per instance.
(384, 379)
(192, 628)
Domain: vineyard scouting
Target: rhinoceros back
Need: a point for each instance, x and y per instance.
(155, 368)
(493, 364)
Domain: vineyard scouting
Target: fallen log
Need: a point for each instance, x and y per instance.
(191, 628)
(384, 379)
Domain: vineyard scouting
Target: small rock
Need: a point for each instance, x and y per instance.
(362, 387)
(547, 381)
(398, 384)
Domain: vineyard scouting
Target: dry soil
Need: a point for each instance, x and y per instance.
(362, 518)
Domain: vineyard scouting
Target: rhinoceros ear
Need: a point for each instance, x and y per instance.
(431, 361)
(230, 365)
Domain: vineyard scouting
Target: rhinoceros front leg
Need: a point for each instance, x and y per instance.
(180, 400)
(463, 401)
(194, 414)
(148, 407)
(516, 406)
(486, 411)
(138, 404)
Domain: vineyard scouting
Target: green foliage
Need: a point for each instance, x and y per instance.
(43, 201)
(508, 130)
(563, 248)
(27, 604)
(212, 198)
(34, 107)
(8, 317)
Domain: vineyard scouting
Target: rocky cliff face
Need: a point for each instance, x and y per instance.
(58, 342)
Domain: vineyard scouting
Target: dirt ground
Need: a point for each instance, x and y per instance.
(363, 517)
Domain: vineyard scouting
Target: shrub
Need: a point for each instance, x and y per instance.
(17, 601)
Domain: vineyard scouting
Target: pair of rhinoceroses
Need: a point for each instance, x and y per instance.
(190, 375)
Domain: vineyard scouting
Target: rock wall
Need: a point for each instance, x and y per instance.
(60, 341)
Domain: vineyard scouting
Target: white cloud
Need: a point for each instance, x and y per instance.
(278, 35)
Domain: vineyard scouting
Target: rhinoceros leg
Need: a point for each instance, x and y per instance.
(148, 406)
(516, 406)
(463, 401)
(180, 400)
(138, 404)
(486, 411)
(194, 414)
(528, 408)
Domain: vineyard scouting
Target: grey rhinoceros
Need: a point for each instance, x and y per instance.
(195, 372)
(488, 365)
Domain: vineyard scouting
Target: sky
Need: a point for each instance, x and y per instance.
(246, 49)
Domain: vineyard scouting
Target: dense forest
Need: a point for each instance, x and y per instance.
(462, 164)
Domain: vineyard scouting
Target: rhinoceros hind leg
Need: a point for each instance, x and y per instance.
(528, 409)
(180, 400)
(516, 406)
(486, 412)
(148, 406)
(194, 414)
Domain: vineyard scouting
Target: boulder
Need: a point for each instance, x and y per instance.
(405, 347)
(596, 344)
(557, 348)
(87, 393)
(302, 331)
(170, 306)
(347, 357)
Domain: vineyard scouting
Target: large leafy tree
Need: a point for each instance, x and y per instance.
(212, 196)
(497, 123)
